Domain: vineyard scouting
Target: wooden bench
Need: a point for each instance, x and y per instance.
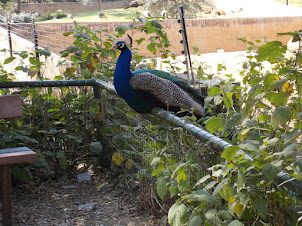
(11, 107)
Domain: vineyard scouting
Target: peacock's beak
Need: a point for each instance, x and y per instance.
(114, 47)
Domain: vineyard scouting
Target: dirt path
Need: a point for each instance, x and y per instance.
(72, 203)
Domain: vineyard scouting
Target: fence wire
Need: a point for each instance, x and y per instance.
(137, 138)
(50, 36)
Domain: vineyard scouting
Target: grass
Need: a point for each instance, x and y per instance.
(111, 14)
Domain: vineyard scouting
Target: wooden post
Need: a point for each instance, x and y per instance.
(10, 40)
(6, 185)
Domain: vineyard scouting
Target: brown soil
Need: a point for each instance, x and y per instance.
(60, 203)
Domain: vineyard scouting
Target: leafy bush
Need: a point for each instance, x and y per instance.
(49, 16)
(21, 18)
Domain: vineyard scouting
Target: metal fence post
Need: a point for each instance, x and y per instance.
(186, 51)
(10, 40)
(36, 44)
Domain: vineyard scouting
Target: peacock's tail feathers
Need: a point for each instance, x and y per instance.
(165, 90)
(197, 96)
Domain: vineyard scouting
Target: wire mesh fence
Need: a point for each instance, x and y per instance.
(64, 120)
(50, 36)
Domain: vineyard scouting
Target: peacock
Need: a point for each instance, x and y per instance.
(144, 90)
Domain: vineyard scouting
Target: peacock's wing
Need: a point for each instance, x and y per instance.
(164, 90)
(197, 96)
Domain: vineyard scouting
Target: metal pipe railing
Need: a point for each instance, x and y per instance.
(215, 142)
(48, 83)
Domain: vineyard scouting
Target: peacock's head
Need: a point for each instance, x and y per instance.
(120, 45)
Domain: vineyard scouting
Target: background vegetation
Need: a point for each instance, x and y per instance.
(195, 184)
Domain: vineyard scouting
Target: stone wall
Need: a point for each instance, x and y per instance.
(208, 35)
(69, 7)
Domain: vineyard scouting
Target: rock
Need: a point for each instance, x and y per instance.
(84, 177)
(70, 187)
(87, 207)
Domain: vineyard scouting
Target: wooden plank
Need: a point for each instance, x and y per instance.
(18, 157)
(6, 185)
(11, 150)
(10, 106)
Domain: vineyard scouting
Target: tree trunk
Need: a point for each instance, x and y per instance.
(18, 6)
(99, 5)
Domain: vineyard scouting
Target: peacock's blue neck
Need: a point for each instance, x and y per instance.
(122, 73)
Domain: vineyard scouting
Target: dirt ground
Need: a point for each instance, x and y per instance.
(68, 202)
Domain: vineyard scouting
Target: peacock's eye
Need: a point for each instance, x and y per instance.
(121, 45)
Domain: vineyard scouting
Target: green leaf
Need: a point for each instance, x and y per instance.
(280, 116)
(178, 214)
(211, 216)
(21, 173)
(139, 41)
(296, 36)
(218, 99)
(196, 221)
(108, 45)
(291, 136)
(271, 51)
(271, 169)
(68, 33)
(228, 100)
(151, 47)
(41, 162)
(234, 121)
(32, 140)
(203, 196)
(289, 150)
(155, 162)
(19, 68)
(123, 28)
(34, 61)
(240, 179)
(72, 49)
(174, 189)
(214, 124)
(224, 214)
(45, 52)
(161, 187)
(214, 91)
(297, 167)
(96, 147)
(183, 186)
(9, 60)
(154, 23)
(250, 145)
(244, 195)
(202, 180)
(181, 175)
(235, 223)
(53, 131)
(226, 192)
(230, 152)
(259, 207)
(63, 160)
(158, 171)
(277, 99)
(178, 168)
